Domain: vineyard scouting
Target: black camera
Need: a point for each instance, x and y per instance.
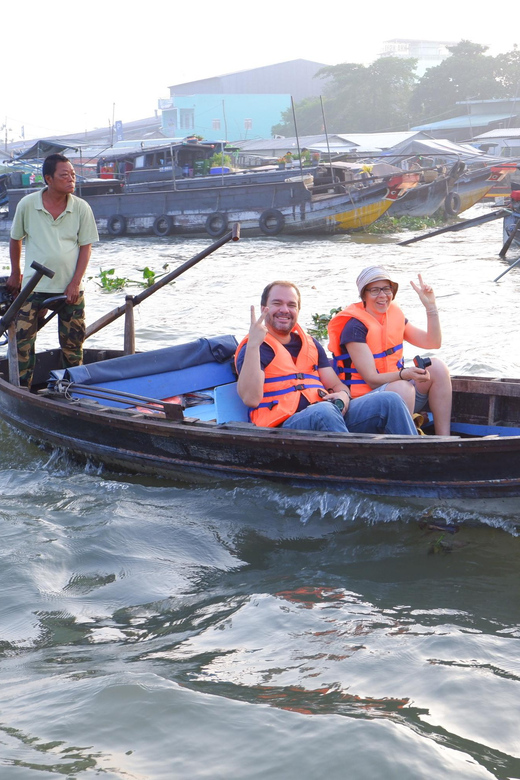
(420, 362)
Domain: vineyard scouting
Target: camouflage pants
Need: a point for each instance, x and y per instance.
(71, 331)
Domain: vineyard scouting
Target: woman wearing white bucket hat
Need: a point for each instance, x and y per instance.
(366, 340)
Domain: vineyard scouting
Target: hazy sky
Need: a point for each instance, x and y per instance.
(66, 65)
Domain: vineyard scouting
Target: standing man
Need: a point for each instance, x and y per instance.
(59, 230)
(284, 373)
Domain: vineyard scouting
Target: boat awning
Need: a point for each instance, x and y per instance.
(466, 120)
(122, 152)
(377, 168)
(440, 148)
(42, 149)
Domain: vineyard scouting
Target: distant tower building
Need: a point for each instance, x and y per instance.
(427, 53)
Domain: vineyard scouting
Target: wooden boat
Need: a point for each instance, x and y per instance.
(429, 194)
(268, 204)
(175, 412)
(502, 189)
(471, 187)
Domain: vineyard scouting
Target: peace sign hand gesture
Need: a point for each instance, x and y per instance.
(425, 293)
(257, 331)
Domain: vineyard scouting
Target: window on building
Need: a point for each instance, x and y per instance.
(248, 124)
(215, 124)
(186, 118)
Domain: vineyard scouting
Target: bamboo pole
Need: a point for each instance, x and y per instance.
(107, 319)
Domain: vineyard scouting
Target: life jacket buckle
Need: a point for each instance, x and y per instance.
(299, 376)
(299, 387)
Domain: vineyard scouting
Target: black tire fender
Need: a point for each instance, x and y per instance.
(163, 225)
(271, 222)
(452, 204)
(216, 224)
(116, 225)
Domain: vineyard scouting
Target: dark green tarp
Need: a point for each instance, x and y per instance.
(42, 149)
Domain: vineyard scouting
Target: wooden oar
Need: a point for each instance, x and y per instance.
(233, 235)
(467, 223)
(510, 240)
(507, 270)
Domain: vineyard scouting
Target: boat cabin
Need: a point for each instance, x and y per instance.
(155, 164)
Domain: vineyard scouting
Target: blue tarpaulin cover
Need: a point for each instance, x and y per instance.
(219, 349)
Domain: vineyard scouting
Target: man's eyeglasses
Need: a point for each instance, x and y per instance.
(375, 291)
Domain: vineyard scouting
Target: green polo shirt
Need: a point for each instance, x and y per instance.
(53, 242)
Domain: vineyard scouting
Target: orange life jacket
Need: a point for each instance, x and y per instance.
(286, 380)
(385, 341)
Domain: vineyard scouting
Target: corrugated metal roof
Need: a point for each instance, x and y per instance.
(305, 142)
(296, 62)
(441, 148)
(377, 141)
(505, 133)
(466, 120)
(341, 142)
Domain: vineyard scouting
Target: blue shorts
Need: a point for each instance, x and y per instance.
(421, 399)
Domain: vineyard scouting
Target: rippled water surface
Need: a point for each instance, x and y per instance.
(152, 630)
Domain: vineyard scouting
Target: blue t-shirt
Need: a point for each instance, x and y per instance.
(293, 347)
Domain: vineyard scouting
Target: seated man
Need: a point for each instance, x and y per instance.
(284, 373)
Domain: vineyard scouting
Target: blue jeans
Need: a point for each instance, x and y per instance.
(378, 413)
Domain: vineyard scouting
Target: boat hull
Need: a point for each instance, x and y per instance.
(422, 201)
(292, 208)
(472, 187)
(375, 464)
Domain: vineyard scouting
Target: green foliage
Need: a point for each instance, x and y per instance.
(469, 74)
(111, 283)
(308, 117)
(389, 224)
(507, 71)
(150, 276)
(320, 322)
(216, 160)
(359, 98)
(387, 95)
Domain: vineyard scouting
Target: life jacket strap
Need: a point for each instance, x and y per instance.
(288, 378)
(269, 404)
(389, 351)
(293, 389)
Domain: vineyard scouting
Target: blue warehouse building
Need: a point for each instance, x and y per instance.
(239, 106)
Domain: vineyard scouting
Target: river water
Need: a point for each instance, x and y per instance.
(155, 630)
